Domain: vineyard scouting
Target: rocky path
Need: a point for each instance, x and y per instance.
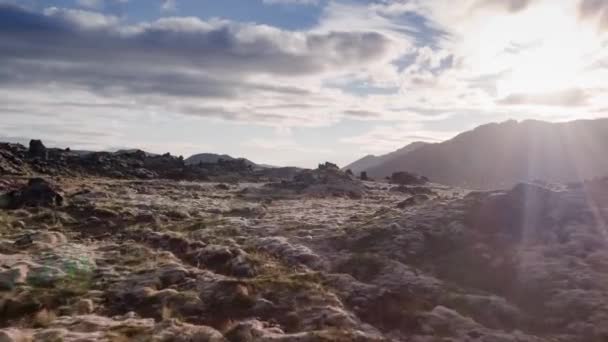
(184, 261)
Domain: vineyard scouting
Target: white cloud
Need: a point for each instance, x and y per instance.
(90, 3)
(84, 19)
(97, 4)
(168, 5)
(404, 61)
(382, 139)
(291, 2)
(567, 98)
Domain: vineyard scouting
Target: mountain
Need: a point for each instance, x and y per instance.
(499, 155)
(135, 150)
(214, 158)
(371, 161)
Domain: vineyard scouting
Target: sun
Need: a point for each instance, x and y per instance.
(544, 49)
(557, 57)
(547, 68)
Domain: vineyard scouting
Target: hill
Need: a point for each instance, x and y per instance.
(212, 158)
(499, 155)
(371, 161)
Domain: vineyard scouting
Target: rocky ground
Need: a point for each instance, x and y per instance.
(322, 257)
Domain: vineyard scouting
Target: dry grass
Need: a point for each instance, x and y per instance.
(4, 226)
(43, 318)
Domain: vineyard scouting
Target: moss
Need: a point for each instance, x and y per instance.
(43, 318)
(363, 266)
(267, 265)
(137, 255)
(5, 225)
(198, 224)
(279, 283)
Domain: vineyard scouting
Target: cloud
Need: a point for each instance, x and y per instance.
(83, 19)
(209, 46)
(590, 9)
(365, 63)
(168, 5)
(97, 4)
(172, 63)
(509, 5)
(90, 3)
(363, 114)
(291, 2)
(284, 144)
(384, 138)
(566, 98)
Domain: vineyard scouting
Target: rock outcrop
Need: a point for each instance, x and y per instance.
(325, 181)
(15, 159)
(407, 178)
(37, 193)
(38, 150)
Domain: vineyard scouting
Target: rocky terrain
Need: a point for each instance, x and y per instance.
(321, 256)
(16, 159)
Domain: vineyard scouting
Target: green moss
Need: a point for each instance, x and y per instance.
(289, 282)
(4, 223)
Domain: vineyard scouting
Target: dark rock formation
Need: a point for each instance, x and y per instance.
(413, 190)
(363, 176)
(328, 166)
(38, 150)
(513, 212)
(326, 181)
(407, 178)
(17, 160)
(37, 193)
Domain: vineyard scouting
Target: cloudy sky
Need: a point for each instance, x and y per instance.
(293, 82)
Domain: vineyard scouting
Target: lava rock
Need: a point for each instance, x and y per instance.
(37, 193)
(407, 178)
(38, 150)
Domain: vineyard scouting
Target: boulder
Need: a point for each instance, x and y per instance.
(38, 150)
(37, 193)
(328, 166)
(363, 176)
(407, 178)
(326, 181)
(523, 208)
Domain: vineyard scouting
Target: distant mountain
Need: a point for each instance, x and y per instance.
(135, 150)
(371, 161)
(214, 158)
(499, 155)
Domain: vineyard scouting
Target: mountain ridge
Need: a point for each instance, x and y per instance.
(371, 160)
(499, 155)
(214, 158)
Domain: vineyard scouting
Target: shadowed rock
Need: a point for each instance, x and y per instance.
(38, 150)
(514, 212)
(407, 178)
(37, 193)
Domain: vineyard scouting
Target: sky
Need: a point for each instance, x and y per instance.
(293, 82)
